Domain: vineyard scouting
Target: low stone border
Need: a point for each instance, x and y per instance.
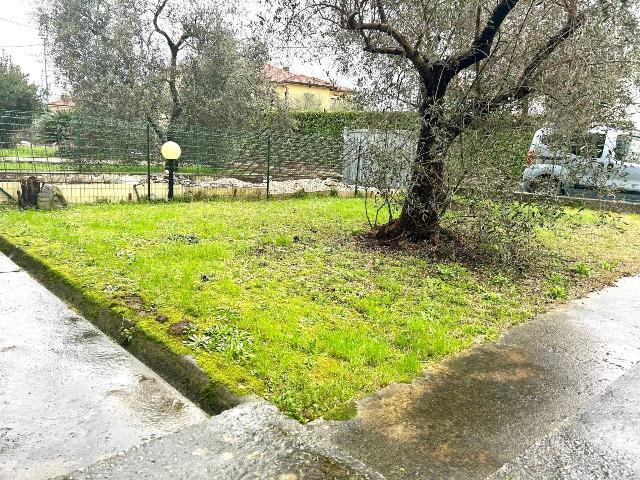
(180, 371)
(594, 203)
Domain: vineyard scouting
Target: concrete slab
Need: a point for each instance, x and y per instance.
(7, 266)
(70, 396)
(478, 411)
(601, 442)
(251, 441)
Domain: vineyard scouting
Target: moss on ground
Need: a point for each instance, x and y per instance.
(286, 303)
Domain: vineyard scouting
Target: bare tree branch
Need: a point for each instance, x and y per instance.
(481, 47)
(523, 87)
(174, 47)
(405, 46)
(156, 15)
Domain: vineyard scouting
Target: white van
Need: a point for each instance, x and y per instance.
(601, 162)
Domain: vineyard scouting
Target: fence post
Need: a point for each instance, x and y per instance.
(198, 148)
(268, 163)
(14, 128)
(358, 167)
(148, 162)
(78, 150)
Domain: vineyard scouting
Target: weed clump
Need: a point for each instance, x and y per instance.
(226, 339)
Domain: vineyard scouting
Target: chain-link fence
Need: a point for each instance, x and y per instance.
(91, 159)
(94, 159)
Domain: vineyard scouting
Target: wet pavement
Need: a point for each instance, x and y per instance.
(603, 441)
(557, 397)
(70, 396)
(481, 410)
(251, 441)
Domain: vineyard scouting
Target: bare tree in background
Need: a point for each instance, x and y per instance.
(169, 61)
(466, 60)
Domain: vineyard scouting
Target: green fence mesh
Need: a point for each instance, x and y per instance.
(93, 159)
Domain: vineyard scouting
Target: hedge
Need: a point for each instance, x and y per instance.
(333, 123)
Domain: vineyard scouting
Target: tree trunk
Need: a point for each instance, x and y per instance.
(28, 195)
(426, 192)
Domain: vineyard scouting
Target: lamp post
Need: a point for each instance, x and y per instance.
(171, 152)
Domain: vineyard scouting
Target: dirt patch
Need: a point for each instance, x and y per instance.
(135, 303)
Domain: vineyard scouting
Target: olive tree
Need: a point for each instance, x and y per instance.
(19, 100)
(457, 62)
(169, 61)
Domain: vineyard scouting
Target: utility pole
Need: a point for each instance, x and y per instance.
(46, 73)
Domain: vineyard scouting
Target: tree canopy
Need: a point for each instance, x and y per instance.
(169, 61)
(17, 93)
(19, 100)
(456, 62)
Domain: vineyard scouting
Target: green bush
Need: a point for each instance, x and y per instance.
(56, 127)
(19, 101)
(334, 123)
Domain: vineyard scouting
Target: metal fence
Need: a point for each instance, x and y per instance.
(94, 159)
(91, 159)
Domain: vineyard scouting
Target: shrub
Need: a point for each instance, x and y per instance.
(558, 293)
(581, 269)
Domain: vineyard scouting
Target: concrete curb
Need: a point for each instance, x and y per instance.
(592, 203)
(180, 371)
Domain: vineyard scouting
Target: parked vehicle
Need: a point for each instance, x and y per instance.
(601, 162)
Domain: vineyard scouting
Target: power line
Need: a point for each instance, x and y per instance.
(21, 46)
(17, 23)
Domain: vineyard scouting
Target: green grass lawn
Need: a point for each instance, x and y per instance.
(26, 164)
(37, 151)
(287, 303)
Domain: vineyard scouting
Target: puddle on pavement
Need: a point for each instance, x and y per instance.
(148, 400)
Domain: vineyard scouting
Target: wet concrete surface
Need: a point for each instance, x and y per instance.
(70, 396)
(251, 441)
(558, 397)
(7, 266)
(603, 441)
(479, 411)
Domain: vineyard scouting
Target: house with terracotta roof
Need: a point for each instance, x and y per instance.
(62, 105)
(302, 92)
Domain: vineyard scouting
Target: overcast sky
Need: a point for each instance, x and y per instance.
(22, 42)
